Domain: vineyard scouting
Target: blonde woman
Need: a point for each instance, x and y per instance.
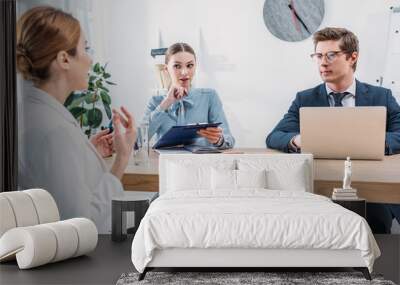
(183, 104)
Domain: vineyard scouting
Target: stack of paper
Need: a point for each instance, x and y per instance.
(344, 194)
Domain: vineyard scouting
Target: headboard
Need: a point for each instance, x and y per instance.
(296, 168)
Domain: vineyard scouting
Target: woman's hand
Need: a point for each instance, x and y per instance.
(123, 142)
(213, 135)
(103, 142)
(174, 93)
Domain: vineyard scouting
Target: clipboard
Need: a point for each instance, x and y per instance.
(182, 135)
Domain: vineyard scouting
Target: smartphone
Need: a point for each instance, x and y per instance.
(110, 127)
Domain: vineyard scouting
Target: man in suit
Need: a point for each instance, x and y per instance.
(336, 54)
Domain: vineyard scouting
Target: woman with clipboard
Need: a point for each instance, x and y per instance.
(183, 105)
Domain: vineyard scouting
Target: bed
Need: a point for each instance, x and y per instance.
(247, 210)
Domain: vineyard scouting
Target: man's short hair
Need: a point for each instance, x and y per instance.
(348, 40)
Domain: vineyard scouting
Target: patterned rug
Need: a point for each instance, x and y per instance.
(243, 278)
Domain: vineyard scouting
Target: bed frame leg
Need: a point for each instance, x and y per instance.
(143, 274)
(364, 271)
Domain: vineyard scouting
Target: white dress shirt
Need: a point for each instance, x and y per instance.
(349, 100)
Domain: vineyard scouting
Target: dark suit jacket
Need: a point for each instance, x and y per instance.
(366, 95)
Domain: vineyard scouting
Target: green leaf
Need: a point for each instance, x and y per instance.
(91, 98)
(108, 111)
(96, 67)
(77, 111)
(70, 99)
(95, 116)
(111, 83)
(105, 97)
(104, 88)
(77, 102)
(85, 122)
(92, 78)
(106, 75)
(74, 100)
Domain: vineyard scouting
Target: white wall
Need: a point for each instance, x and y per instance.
(255, 74)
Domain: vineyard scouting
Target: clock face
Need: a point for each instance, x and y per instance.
(293, 20)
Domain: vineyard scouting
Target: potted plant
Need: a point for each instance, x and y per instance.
(82, 105)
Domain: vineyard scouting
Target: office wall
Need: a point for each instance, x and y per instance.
(255, 74)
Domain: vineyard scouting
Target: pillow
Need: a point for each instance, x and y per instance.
(281, 174)
(226, 179)
(223, 179)
(293, 179)
(183, 177)
(251, 178)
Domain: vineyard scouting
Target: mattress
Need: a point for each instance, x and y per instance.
(251, 219)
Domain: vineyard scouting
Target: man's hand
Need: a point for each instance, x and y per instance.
(297, 141)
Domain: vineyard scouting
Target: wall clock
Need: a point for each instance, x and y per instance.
(293, 20)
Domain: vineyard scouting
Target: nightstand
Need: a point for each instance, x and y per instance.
(358, 206)
(131, 201)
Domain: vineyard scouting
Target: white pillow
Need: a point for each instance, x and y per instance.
(183, 177)
(251, 178)
(226, 179)
(193, 173)
(281, 174)
(223, 179)
(293, 179)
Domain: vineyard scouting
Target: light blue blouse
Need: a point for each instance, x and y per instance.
(201, 105)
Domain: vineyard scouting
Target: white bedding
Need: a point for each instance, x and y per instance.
(250, 218)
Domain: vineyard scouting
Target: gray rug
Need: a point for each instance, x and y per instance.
(270, 278)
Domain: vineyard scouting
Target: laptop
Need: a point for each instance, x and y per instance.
(336, 133)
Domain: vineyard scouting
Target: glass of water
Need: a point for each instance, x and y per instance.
(142, 148)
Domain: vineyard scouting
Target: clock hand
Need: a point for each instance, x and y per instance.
(291, 7)
(295, 22)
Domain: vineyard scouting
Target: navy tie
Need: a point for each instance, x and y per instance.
(338, 98)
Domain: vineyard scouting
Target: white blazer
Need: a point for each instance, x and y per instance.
(54, 154)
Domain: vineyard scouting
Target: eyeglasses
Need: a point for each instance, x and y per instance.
(330, 56)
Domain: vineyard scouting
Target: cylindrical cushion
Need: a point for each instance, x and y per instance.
(37, 245)
(33, 246)
(67, 240)
(23, 208)
(7, 218)
(46, 207)
(87, 234)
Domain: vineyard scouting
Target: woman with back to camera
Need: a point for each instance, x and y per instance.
(182, 104)
(54, 154)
